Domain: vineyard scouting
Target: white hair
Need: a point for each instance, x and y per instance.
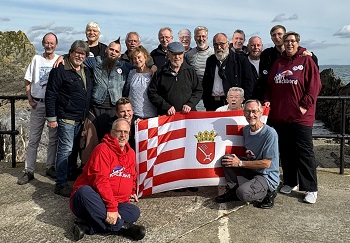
(92, 25)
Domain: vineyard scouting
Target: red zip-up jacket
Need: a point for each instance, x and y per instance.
(293, 82)
(111, 172)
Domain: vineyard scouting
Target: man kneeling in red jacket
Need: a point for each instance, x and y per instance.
(102, 193)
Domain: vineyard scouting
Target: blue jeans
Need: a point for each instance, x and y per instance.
(66, 133)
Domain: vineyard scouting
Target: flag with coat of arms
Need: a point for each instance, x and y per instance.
(184, 150)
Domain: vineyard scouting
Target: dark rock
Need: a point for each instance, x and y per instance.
(329, 111)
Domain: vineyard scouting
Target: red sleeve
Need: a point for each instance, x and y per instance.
(99, 173)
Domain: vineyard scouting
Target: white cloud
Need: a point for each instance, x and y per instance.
(281, 18)
(343, 32)
(68, 20)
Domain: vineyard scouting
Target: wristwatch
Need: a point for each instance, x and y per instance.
(240, 164)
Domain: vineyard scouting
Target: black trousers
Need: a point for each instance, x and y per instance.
(297, 155)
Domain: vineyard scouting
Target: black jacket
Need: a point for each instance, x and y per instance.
(159, 57)
(168, 89)
(99, 50)
(238, 73)
(66, 96)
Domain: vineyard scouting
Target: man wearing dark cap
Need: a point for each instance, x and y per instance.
(175, 87)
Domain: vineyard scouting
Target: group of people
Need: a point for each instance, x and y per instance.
(95, 93)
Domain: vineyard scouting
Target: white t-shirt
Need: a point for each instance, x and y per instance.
(218, 88)
(222, 108)
(38, 74)
(255, 63)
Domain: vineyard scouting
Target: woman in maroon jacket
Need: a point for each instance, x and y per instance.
(293, 86)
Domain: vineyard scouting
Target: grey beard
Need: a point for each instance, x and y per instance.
(221, 56)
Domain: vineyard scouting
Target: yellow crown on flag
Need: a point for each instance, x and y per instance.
(206, 136)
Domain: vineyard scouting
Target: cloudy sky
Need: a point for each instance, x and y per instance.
(324, 26)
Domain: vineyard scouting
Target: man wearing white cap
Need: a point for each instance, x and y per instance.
(175, 87)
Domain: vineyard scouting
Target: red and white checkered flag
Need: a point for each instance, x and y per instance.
(184, 150)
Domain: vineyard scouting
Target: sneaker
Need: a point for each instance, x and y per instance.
(51, 172)
(269, 201)
(285, 189)
(63, 190)
(228, 196)
(25, 178)
(310, 197)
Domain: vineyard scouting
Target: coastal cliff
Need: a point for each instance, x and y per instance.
(16, 52)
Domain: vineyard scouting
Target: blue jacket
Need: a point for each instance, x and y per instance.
(66, 96)
(113, 83)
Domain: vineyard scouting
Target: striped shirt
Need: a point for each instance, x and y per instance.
(197, 60)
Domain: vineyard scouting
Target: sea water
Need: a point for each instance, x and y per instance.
(342, 71)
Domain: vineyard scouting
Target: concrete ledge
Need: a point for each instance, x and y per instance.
(33, 213)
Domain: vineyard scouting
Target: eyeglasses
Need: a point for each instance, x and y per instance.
(234, 97)
(290, 41)
(254, 112)
(120, 132)
(185, 37)
(164, 37)
(221, 44)
(76, 53)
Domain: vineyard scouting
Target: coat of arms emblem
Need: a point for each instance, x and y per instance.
(205, 147)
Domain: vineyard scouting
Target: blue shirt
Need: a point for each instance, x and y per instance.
(264, 145)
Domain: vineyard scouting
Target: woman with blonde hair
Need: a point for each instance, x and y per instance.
(137, 83)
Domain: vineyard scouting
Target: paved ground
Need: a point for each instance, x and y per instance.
(33, 213)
